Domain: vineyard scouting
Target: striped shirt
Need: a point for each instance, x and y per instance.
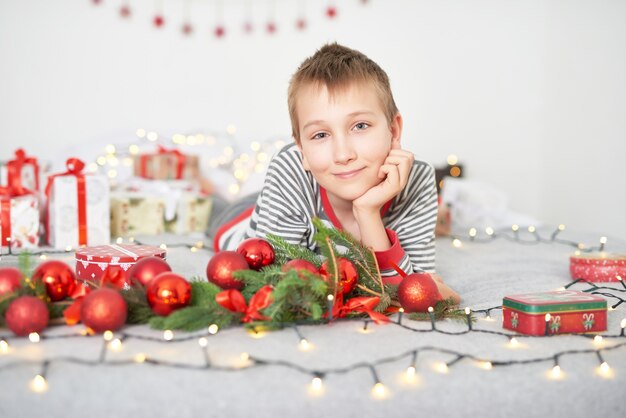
(291, 198)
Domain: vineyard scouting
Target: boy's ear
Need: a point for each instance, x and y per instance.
(305, 163)
(396, 131)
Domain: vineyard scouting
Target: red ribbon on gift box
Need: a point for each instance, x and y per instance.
(74, 168)
(6, 194)
(234, 301)
(180, 161)
(14, 169)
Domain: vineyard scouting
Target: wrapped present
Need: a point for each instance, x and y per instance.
(78, 208)
(166, 165)
(20, 172)
(19, 216)
(135, 214)
(598, 267)
(569, 312)
(91, 262)
(192, 214)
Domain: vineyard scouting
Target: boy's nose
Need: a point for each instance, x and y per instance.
(343, 151)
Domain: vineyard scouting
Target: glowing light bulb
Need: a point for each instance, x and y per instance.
(431, 309)
(107, 335)
(116, 344)
(330, 298)
(561, 227)
(203, 342)
(194, 249)
(457, 243)
(152, 136)
(441, 367)
(168, 335)
(623, 323)
(119, 240)
(213, 328)
(452, 159)
(489, 230)
(556, 371)
(304, 344)
(410, 371)
(467, 311)
(316, 383)
(379, 389)
(43, 257)
(101, 160)
(68, 248)
(604, 367)
(231, 129)
(39, 384)
(548, 317)
(140, 132)
(513, 342)
(163, 246)
(472, 232)
(4, 346)
(34, 337)
(110, 149)
(233, 188)
(515, 227)
(531, 229)
(245, 356)
(602, 240)
(133, 149)
(597, 339)
(486, 365)
(581, 246)
(255, 146)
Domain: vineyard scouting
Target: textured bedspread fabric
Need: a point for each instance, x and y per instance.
(481, 273)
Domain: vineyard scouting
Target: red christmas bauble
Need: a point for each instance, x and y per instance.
(219, 31)
(147, 268)
(158, 21)
(59, 278)
(299, 264)
(104, 309)
(248, 27)
(417, 292)
(125, 11)
(348, 275)
(27, 314)
(168, 292)
(221, 266)
(270, 27)
(9, 279)
(331, 12)
(257, 252)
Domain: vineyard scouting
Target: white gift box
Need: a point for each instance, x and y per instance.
(63, 205)
(24, 219)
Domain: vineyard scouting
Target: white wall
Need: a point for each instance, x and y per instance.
(531, 95)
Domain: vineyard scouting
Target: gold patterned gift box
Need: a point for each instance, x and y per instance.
(136, 214)
(166, 165)
(192, 214)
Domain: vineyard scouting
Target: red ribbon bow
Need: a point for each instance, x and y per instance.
(74, 168)
(234, 301)
(361, 304)
(14, 169)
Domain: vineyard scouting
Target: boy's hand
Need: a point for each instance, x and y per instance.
(394, 174)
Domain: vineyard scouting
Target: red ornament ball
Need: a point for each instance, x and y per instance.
(417, 292)
(221, 266)
(9, 279)
(348, 275)
(331, 12)
(147, 268)
(299, 264)
(168, 292)
(257, 252)
(219, 31)
(248, 27)
(58, 277)
(158, 21)
(27, 314)
(270, 27)
(104, 309)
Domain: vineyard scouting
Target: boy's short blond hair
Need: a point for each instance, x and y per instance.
(337, 67)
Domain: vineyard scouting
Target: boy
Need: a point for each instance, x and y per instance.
(347, 168)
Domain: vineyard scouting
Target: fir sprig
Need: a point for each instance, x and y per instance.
(285, 251)
(442, 310)
(299, 295)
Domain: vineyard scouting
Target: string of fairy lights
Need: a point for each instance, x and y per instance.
(114, 342)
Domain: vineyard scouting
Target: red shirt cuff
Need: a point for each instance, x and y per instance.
(393, 255)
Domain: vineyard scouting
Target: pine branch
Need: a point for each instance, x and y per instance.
(285, 251)
(193, 318)
(442, 310)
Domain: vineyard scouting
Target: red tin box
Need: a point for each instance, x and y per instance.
(599, 267)
(570, 312)
(91, 262)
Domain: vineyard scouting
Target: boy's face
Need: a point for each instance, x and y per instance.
(345, 138)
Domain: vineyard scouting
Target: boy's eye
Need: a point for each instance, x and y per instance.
(319, 135)
(361, 125)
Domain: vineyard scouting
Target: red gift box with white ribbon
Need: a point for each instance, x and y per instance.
(91, 262)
